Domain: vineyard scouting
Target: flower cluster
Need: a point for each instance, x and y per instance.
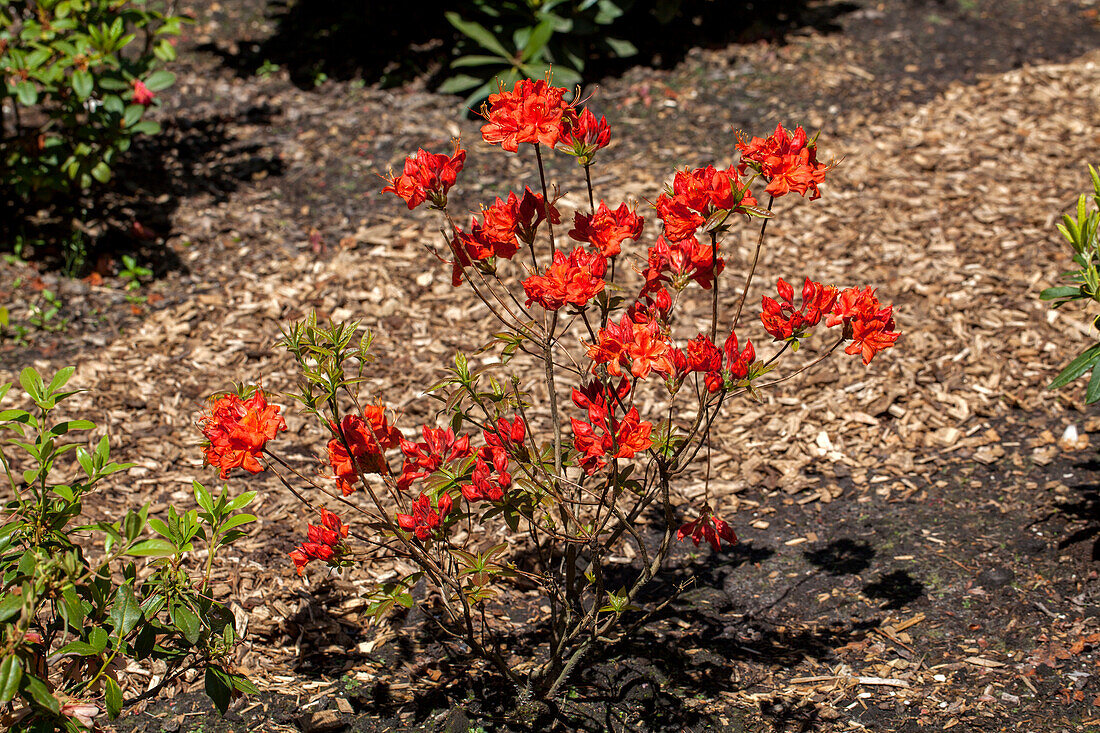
(869, 323)
(696, 196)
(783, 321)
(679, 263)
(440, 446)
(641, 347)
(236, 431)
(326, 542)
(604, 435)
(582, 135)
(369, 437)
(531, 113)
(504, 225)
(426, 518)
(710, 528)
(142, 94)
(572, 279)
(427, 177)
(788, 161)
(607, 229)
(722, 368)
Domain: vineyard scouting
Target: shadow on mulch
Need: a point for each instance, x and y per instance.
(704, 643)
(135, 209)
(329, 36)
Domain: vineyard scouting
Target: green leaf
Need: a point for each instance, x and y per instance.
(218, 688)
(101, 172)
(478, 60)
(38, 692)
(1092, 393)
(146, 127)
(1084, 362)
(125, 612)
(32, 383)
(82, 83)
(458, 83)
(60, 379)
(113, 698)
(202, 497)
(26, 93)
(236, 521)
(477, 33)
(153, 547)
(10, 605)
(159, 80)
(1061, 291)
(11, 674)
(537, 41)
(186, 621)
(622, 48)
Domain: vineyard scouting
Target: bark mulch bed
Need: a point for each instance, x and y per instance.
(918, 539)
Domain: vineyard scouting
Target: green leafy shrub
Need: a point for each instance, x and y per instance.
(514, 39)
(78, 77)
(72, 617)
(1083, 233)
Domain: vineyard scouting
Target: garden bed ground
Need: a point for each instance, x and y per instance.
(918, 543)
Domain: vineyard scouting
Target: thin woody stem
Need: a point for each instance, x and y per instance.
(546, 199)
(714, 287)
(752, 270)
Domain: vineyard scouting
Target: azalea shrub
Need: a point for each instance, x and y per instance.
(559, 448)
(81, 600)
(1082, 230)
(77, 78)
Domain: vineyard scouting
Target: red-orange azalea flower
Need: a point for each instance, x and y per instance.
(607, 229)
(427, 177)
(572, 279)
(369, 437)
(236, 431)
(531, 112)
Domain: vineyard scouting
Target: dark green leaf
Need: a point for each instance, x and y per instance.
(218, 688)
(186, 621)
(113, 697)
(125, 612)
(477, 33)
(40, 694)
(11, 674)
(82, 83)
(154, 547)
(1083, 363)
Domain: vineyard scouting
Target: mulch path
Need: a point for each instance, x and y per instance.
(918, 538)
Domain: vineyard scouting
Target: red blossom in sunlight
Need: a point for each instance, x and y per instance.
(237, 430)
(583, 135)
(141, 94)
(425, 517)
(783, 321)
(607, 436)
(531, 112)
(787, 160)
(697, 195)
(678, 263)
(572, 279)
(653, 305)
(427, 177)
(490, 477)
(639, 346)
(710, 528)
(369, 437)
(607, 229)
(866, 321)
(326, 542)
(505, 433)
(440, 446)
